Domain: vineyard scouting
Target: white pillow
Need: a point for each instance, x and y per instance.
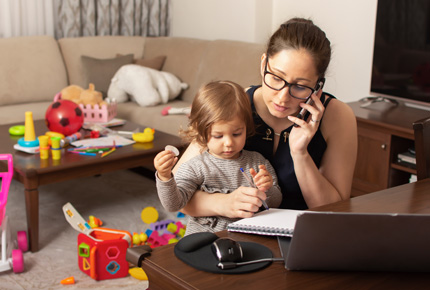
(146, 86)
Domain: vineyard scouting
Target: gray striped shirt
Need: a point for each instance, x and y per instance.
(211, 174)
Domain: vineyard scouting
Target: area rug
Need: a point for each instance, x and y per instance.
(116, 198)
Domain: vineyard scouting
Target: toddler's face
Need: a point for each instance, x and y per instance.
(227, 139)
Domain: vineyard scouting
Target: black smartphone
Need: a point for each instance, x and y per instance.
(301, 114)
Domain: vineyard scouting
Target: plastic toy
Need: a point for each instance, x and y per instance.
(176, 228)
(68, 281)
(138, 273)
(101, 251)
(64, 117)
(28, 143)
(54, 134)
(161, 225)
(180, 215)
(56, 148)
(174, 240)
(146, 136)
(139, 239)
(149, 215)
(155, 240)
(44, 146)
(148, 232)
(10, 258)
(94, 222)
(93, 112)
(173, 149)
(168, 236)
(17, 130)
(69, 139)
(175, 111)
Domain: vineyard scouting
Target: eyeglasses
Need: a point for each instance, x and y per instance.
(277, 83)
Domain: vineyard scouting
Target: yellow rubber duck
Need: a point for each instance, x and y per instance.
(146, 136)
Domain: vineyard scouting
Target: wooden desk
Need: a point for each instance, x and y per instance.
(165, 271)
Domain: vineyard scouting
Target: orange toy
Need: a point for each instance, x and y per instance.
(91, 96)
(68, 281)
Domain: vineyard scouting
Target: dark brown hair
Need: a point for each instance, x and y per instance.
(214, 102)
(298, 33)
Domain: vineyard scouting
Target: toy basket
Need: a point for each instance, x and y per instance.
(96, 113)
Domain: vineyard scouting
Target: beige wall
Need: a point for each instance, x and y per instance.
(349, 24)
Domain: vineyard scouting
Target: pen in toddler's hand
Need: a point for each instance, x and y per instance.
(253, 185)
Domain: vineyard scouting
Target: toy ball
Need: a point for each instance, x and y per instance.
(65, 117)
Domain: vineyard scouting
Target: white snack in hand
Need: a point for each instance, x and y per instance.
(172, 149)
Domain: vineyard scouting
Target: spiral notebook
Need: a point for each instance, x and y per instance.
(272, 222)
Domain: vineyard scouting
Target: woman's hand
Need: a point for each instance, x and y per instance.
(243, 202)
(301, 135)
(163, 163)
(263, 180)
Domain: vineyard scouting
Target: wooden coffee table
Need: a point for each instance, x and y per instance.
(30, 170)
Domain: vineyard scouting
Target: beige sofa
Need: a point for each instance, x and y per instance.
(34, 69)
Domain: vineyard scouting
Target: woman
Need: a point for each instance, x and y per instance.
(314, 157)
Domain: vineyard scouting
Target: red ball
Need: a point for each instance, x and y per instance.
(65, 117)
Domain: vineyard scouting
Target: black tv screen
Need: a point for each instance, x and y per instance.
(401, 55)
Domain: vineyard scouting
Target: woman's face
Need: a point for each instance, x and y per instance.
(295, 67)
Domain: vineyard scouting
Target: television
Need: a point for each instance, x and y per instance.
(401, 54)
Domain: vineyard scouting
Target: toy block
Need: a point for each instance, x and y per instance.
(148, 232)
(174, 240)
(168, 236)
(174, 228)
(161, 225)
(155, 240)
(180, 215)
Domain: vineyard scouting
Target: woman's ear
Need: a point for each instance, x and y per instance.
(262, 64)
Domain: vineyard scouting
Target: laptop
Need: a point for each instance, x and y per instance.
(332, 241)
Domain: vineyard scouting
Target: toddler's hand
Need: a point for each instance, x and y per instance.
(263, 180)
(243, 202)
(163, 163)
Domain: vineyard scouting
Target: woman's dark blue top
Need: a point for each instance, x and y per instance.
(262, 142)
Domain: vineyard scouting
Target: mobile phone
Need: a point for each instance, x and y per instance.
(301, 114)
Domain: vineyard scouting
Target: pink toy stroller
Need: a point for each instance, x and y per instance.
(10, 258)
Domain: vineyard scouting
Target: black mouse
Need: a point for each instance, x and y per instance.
(227, 250)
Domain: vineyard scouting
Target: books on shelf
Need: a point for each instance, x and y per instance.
(272, 222)
(407, 157)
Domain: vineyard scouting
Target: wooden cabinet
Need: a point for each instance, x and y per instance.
(384, 131)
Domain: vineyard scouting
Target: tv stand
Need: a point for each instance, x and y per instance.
(370, 100)
(382, 135)
(417, 106)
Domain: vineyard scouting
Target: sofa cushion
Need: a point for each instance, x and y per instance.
(32, 69)
(231, 60)
(16, 113)
(151, 116)
(183, 58)
(101, 71)
(99, 47)
(154, 63)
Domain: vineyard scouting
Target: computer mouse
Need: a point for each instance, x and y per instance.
(227, 250)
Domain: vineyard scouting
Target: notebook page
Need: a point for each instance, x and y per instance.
(269, 222)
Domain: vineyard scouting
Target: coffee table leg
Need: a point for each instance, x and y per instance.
(32, 209)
